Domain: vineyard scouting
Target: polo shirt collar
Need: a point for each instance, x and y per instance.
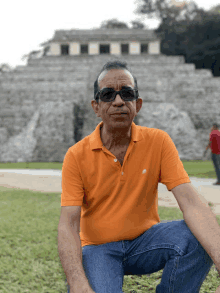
(95, 138)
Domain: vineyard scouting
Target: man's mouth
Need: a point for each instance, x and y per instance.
(119, 113)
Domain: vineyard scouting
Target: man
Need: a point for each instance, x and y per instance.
(214, 145)
(109, 190)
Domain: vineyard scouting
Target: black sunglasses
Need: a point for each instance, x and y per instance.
(109, 94)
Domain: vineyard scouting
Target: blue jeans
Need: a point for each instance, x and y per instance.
(167, 245)
(216, 162)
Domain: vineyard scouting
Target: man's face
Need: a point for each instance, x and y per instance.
(118, 113)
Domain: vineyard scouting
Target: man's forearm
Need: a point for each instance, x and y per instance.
(70, 252)
(208, 146)
(204, 226)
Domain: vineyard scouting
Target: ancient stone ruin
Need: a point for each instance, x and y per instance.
(45, 107)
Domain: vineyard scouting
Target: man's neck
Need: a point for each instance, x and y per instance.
(115, 138)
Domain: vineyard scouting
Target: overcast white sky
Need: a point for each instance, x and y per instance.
(25, 24)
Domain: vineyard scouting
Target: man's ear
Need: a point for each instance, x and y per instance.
(95, 107)
(139, 102)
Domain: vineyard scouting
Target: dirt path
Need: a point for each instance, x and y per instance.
(43, 183)
(47, 182)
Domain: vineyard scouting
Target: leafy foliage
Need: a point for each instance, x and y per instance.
(4, 67)
(198, 41)
(113, 24)
(138, 25)
(167, 10)
(117, 24)
(215, 10)
(36, 54)
(187, 30)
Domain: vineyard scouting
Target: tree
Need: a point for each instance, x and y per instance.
(168, 11)
(137, 24)
(205, 44)
(215, 10)
(187, 30)
(32, 55)
(113, 24)
(116, 24)
(5, 68)
(36, 54)
(198, 41)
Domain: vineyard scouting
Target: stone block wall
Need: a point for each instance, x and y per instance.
(53, 85)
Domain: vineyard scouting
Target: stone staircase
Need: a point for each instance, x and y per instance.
(69, 79)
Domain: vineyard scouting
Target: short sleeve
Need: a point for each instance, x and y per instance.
(172, 172)
(213, 137)
(72, 184)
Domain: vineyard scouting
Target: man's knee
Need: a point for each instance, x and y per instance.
(191, 241)
(195, 248)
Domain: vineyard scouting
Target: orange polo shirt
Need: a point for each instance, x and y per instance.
(119, 202)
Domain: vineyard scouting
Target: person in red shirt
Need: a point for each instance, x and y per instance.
(214, 145)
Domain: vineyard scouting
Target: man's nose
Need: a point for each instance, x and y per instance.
(118, 100)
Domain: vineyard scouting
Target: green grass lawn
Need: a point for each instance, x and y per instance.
(201, 169)
(32, 165)
(28, 242)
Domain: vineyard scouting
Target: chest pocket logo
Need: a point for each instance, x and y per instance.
(144, 171)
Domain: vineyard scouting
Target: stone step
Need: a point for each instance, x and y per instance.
(136, 68)
(178, 83)
(44, 76)
(104, 58)
(174, 72)
(18, 100)
(150, 72)
(160, 85)
(42, 85)
(196, 79)
(43, 69)
(10, 96)
(143, 81)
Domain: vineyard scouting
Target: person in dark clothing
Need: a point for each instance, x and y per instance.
(214, 145)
